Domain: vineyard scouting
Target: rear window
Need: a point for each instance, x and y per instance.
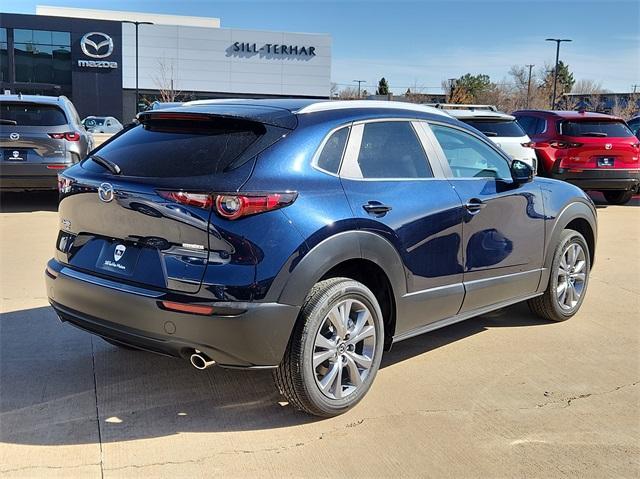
(94, 122)
(32, 114)
(598, 128)
(497, 128)
(170, 148)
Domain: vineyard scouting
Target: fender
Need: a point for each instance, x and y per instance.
(348, 245)
(575, 209)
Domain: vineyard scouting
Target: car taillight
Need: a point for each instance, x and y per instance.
(528, 144)
(564, 144)
(64, 184)
(199, 200)
(69, 136)
(232, 206)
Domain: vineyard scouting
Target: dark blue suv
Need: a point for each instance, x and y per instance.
(308, 237)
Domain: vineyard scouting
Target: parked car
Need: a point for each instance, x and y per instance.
(161, 105)
(501, 128)
(39, 136)
(102, 124)
(307, 237)
(634, 126)
(591, 150)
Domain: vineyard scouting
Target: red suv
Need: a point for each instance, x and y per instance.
(591, 150)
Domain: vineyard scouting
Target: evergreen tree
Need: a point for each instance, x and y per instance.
(383, 87)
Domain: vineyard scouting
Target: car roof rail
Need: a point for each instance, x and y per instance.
(461, 106)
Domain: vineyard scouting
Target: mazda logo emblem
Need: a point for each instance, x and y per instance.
(96, 45)
(608, 146)
(105, 192)
(14, 136)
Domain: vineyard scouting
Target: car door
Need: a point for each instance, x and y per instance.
(397, 192)
(503, 224)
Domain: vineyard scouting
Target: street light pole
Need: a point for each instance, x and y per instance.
(137, 24)
(529, 85)
(359, 82)
(555, 70)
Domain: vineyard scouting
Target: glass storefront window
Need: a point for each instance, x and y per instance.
(42, 56)
(4, 56)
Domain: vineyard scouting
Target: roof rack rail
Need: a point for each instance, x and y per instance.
(460, 106)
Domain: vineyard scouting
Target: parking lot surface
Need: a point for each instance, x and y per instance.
(503, 395)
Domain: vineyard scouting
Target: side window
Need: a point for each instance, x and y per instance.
(391, 149)
(470, 157)
(331, 155)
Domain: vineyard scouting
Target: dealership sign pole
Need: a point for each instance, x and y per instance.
(137, 24)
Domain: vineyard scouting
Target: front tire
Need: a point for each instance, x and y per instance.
(618, 197)
(568, 279)
(335, 349)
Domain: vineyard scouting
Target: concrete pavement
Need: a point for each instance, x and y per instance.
(504, 395)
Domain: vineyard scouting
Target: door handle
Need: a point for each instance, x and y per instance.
(474, 205)
(376, 208)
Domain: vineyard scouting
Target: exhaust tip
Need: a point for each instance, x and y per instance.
(199, 361)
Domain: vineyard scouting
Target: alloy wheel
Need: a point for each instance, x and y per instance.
(344, 348)
(571, 276)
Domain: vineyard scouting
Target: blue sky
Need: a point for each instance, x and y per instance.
(417, 44)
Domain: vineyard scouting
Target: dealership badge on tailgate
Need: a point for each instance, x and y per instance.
(118, 252)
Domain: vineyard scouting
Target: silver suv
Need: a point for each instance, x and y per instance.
(39, 137)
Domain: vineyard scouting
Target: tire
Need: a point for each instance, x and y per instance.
(316, 334)
(618, 197)
(573, 273)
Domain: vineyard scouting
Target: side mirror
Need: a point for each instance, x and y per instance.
(521, 172)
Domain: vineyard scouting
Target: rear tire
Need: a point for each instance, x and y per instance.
(568, 279)
(618, 197)
(335, 349)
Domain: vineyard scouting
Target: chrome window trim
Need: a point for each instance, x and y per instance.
(350, 166)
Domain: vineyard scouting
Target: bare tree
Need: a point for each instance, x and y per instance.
(626, 108)
(333, 90)
(348, 93)
(165, 82)
(588, 87)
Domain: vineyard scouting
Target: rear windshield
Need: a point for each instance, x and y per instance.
(94, 122)
(598, 128)
(497, 128)
(31, 114)
(170, 148)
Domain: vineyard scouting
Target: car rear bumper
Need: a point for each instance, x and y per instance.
(29, 182)
(601, 179)
(253, 335)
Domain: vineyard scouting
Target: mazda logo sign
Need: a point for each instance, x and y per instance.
(96, 45)
(105, 192)
(14, 136)
(608, 146)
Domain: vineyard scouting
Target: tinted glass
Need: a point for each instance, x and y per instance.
(61, 38)
(595, 128)
(329, 159)
(540, 126)
(180, 148)
(497, 128)
(94, 122)
(4, 57)
(470, 157)
(22, 36)
(32, 114)
(391, 149)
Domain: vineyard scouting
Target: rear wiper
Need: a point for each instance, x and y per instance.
(109, 165)
(490, 133)
(594, 133)
(7, 122)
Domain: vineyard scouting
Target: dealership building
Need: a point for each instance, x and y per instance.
(90, 56)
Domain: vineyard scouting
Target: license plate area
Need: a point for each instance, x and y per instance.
(118, 257)
(605, 161)
(11, 154)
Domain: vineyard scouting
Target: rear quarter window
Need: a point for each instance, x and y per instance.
(32, 114)
(164, 148)
(597, 128)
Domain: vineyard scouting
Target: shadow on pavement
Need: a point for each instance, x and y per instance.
(600, 202)
(28, 201)
(55, 379)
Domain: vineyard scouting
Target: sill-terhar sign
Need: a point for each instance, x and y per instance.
(274, 49)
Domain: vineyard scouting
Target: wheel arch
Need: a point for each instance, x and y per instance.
(578, 216)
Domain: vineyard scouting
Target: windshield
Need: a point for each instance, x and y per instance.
(597, 128)
(94, 122)
(503, 128)
(31, 114)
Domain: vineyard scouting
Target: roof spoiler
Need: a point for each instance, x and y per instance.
(458, 106)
